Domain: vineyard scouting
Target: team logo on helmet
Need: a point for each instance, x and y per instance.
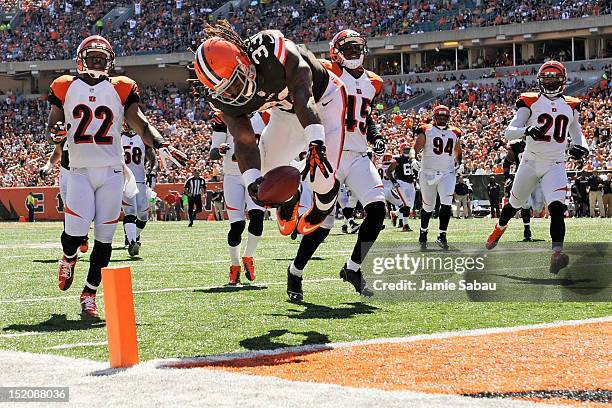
(552, 78)
(226, 71)
(98, 44)
(441, 115)
(348, 48)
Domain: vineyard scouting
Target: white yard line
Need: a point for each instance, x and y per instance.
(75, 345)
(170, 363)
(24, 334)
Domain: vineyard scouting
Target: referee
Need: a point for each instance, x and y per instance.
(194, 187)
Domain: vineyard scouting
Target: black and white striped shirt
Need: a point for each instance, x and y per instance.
(194, 186)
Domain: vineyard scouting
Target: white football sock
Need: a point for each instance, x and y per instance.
(130, 231)
(251, 245)
(295, 271)
(234, 253)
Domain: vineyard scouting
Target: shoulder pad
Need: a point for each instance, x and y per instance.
(60, 86)
(527, 99)
(376, 81)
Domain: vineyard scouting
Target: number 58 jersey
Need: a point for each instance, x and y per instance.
(94, 117)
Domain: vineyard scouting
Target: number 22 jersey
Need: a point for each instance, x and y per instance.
(94, 117)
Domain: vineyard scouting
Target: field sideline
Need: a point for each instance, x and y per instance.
(183, 310)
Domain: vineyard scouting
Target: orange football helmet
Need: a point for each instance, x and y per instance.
(552, 78)
(441, 115)
(226, 71)
(348, 48)
(95, 43)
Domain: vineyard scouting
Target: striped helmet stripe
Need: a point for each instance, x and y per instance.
(203, 65)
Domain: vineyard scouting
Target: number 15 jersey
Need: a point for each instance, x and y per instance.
(94, 117)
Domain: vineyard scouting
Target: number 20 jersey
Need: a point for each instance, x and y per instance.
(94, 116)
(555, 117)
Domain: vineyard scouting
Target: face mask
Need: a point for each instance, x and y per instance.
(354, 63)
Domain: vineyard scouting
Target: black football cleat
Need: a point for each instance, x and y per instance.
(423, 240)
(294, 287)
(558, 261)
(134, 248)
(345, 229)
(527, 235)
(356, 279)
(441, 241)
(354, 227)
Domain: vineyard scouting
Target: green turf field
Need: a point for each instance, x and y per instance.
(182, 308)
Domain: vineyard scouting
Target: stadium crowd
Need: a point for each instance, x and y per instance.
(48, 29)
(481, 110)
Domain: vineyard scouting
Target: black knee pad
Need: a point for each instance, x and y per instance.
(347, 212)
(256, 218)
(70, 244)
(445, 210)
(557, 209)
(140, 224)
(129, 219)
(375, 212)
(234, 236)
(405, 211)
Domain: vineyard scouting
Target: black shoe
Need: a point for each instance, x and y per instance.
(190, 224)
(134, 248)
(527, 235)
(356, 279)
(354, 227)
(345, 229)
(294, 287)
(423, 240)
(126, 242)
(441, 241)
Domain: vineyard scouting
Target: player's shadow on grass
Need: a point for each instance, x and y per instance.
(45, 261)
(271, 340)
(231, 289)
(57, 323)
(314, 311)
(545, 281)
(314, 258)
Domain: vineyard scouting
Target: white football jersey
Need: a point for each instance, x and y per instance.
(94, 118)
(134, 154)
(557, 118)
(360, 94)
(221, 135)
(438, 152)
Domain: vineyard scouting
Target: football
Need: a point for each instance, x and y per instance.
(279, 185)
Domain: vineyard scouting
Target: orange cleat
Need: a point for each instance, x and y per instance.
(249, 267)
(495, 236)
(287, 216)
(558, 261)
(66, 273)
(234, 275)
(88, 305)
(84, 246)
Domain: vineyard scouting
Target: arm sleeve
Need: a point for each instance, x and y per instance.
(217, 139)
(516, 128)
(575, 132)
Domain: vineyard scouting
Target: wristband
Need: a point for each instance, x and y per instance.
(314, 132)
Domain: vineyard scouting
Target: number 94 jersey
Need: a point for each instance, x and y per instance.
(439, 147)
(94, 118)
(134, 152)
(556, 118)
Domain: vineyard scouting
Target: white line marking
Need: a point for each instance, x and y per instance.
(75, 345)
(11, 335)
(174, 362)
(136, 292)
